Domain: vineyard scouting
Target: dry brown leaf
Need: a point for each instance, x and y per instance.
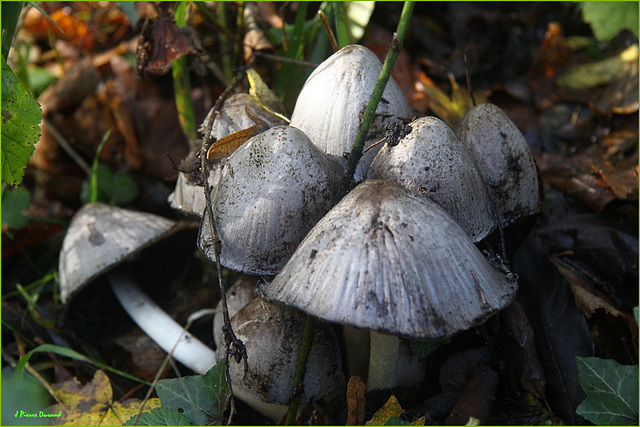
(355, 401)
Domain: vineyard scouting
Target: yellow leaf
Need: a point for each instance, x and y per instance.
(390, 409)
(598, 73)
(92, 404)
(419, 422)
(262, 94)
(451, 109)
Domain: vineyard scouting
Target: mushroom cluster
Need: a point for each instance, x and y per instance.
(396, 257)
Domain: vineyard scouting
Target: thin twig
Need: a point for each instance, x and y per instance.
(281, 58)
(327, 28)
(234, 346)
(466, 75)
(67, 147)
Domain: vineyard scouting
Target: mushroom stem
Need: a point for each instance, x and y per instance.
(383, 360)
(160, 327)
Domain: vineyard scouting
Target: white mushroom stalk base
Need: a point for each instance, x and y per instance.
(160, 327)
(383, 361)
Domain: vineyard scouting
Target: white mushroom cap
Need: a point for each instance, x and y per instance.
(272, 334)
(273, 189)
(504, 160)
(432, 162)
(101, 236)
(387, 260)
(332, 102)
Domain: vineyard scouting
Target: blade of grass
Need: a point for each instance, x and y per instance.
(94, 169)
(67, 352)
(182, 83)
(341, 25)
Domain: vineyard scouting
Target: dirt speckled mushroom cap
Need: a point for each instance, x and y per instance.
(188, 196)
(272, 334)
(273, 189)
(388, 260)
(432, 162)
(101, 236)
(504, 161)
(332, 102)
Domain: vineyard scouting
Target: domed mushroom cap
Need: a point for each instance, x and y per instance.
(332, 102)
(387, 260)
(272, 335)
(239, 112)
(504, 161)
(432, 162)
(273, 189)
(99, 237)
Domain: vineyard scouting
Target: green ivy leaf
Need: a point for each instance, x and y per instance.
(201, 398)
(21, 116)
(159, 417)
(608, 18)
(612, 391)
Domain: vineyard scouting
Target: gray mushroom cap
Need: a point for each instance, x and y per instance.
(272, 334)
(332, 102)
(273, 189)
(387, 260)
(233, 117)
(504, 160)
(432, 162)
(101, 236)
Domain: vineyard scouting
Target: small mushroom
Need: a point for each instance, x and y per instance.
(390, 261)
(332, 102)
(432, 162)
(102, 237)
(272, 335)
(239, 113)
(504, 160)
(273, 189)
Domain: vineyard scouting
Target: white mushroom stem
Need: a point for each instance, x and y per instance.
(383, 361)
(160, 327)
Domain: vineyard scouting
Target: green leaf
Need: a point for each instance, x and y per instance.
(14, 202)
(587, 76)
(160, 417)
(359, 14)
(612, 391)
(201, 398)
(21, 116)
(10, 14)
(395, 421)
(608, 18)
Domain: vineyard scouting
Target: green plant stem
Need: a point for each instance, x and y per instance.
(298, 379)
(369, 114)
(182, 83)
(94, 169)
